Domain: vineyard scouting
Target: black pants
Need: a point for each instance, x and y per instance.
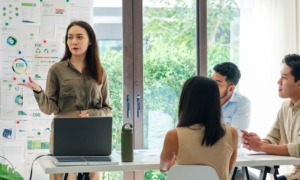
(80, 176)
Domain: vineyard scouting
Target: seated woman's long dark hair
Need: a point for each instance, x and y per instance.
(200, 104)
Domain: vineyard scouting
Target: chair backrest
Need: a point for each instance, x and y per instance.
(192, 172)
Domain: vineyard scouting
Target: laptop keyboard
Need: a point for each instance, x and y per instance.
(84, 159)
(103, 158)
(70, 159)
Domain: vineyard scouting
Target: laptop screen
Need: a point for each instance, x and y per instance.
(82, 136)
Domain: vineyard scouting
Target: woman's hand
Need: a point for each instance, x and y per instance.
(84, 113)
(31, 85)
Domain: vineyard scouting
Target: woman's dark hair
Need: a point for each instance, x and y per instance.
(93, 66)
(200, 104)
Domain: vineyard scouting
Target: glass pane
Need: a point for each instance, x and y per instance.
(169, 36)
(107, 22)
(223, 23)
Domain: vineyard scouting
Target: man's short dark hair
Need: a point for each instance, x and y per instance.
(230, 70)
(293, 61)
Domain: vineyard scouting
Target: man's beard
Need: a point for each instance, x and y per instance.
(224, 94)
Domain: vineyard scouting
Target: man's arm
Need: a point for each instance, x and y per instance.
(275, 149)
(253, 142)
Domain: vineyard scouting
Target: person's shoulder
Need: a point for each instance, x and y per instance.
(58, 65)
(171, 134)
(286, 103)
(241, 98)
(228, 127)
(232, 130)
(104, 73)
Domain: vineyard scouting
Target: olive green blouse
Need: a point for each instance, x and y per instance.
(68, 92)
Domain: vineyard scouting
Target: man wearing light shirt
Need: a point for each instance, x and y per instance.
(284, 137)
(236, 108)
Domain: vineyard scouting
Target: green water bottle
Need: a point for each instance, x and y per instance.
(127, 143)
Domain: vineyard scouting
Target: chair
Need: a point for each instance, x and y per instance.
(192, 172)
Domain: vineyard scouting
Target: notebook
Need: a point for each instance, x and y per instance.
(82, 141)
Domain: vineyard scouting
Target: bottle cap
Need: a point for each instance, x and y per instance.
(127, 127)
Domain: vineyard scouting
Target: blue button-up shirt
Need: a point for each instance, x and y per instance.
(236, 111)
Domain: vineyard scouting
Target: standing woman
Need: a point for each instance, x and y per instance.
(77, 85)
(200, 137)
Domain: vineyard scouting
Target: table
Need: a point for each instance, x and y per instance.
(146, 160)
(263, 162)
(141, 162)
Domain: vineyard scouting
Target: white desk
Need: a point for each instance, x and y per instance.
(146, 161)
(266, 160)
(140, 163)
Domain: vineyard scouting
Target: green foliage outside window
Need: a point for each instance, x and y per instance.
(113, 65)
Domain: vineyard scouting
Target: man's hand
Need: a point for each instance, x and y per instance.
(251, 141)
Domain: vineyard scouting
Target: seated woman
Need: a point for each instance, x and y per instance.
(200, 137)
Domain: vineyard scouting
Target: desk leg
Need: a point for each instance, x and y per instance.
(263, 172)
(233, 173)
(133, 175)
(275, 171)
(246, 172)
(128, 175)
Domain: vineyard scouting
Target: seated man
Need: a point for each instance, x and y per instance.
(236, 108)
(283, 139)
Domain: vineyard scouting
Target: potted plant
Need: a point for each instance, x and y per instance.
(7, 173)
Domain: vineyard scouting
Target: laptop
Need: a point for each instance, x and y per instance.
(82, 141)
